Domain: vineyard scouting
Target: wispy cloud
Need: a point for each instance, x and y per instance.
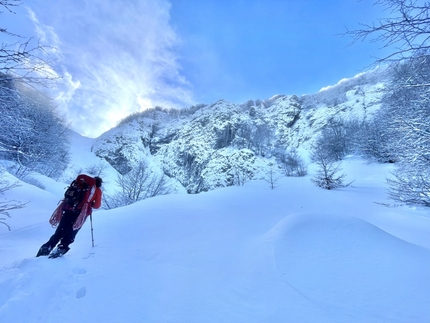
(117, 57)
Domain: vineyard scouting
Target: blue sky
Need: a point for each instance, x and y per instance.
(118, 57)
(255, 49)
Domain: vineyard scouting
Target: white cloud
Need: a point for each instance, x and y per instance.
(118, 57)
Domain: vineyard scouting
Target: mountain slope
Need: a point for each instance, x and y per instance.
(239, 254)
(224, 143)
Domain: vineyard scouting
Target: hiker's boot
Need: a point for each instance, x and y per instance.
(44, 251)
(59, 252)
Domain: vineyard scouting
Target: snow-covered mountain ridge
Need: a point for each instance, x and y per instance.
(216, 145)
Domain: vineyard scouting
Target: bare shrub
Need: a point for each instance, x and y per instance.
(8, 205)
(292, 164)
(138, 184)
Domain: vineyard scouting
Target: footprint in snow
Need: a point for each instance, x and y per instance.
(81, 292)
(79, 271)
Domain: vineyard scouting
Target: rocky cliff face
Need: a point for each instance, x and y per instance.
(224, 143)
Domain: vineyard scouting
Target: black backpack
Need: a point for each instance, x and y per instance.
(77, 192)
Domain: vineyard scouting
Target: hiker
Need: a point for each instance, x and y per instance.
(80, 198)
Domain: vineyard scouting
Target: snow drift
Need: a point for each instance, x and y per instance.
(238, 254)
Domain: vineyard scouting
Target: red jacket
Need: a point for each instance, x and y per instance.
(96, 201)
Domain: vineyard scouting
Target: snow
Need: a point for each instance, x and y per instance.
(297, 253)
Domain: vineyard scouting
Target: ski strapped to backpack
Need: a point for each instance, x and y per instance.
(77, 198)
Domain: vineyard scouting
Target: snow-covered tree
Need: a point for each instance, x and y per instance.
(33, 136)
(407, 124)
(410, 186)
(371, 138)
(328, 174)
(403, 125)
(335, 139)
(271, 175)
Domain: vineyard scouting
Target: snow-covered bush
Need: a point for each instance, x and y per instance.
(371, 139)
(410, 187)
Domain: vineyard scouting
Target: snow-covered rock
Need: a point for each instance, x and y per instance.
(220, 144)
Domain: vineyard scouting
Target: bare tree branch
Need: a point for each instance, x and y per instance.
(24, 60)
(9, 4)
(138, 184)
(8, 205)
(407, 29)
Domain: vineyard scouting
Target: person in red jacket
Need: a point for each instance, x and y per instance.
(70, 220)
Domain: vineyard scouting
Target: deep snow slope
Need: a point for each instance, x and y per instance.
(239, 254)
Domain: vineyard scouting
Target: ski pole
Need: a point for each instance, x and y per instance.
(92, 235)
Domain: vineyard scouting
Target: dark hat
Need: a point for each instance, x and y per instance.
(99, 181)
